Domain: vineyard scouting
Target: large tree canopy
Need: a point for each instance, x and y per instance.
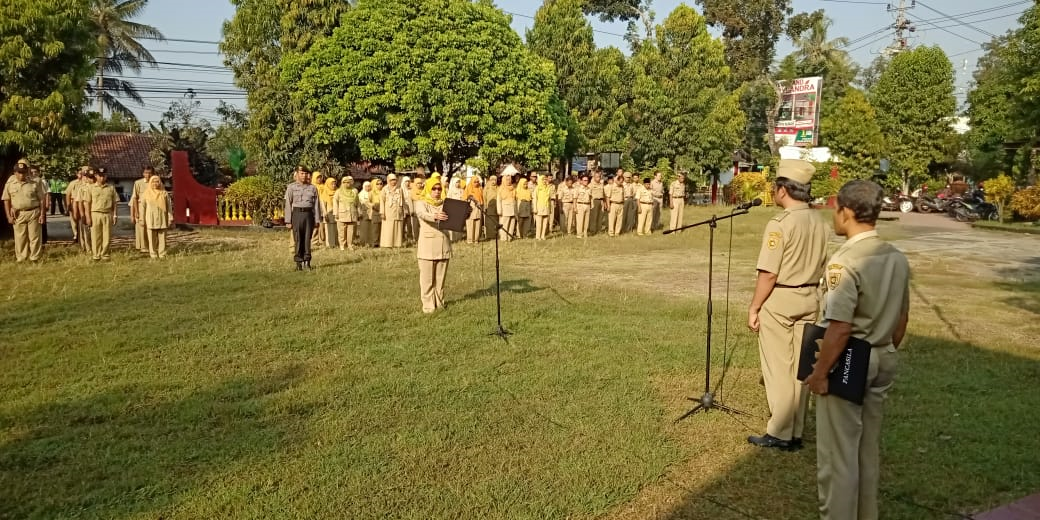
(915, 107)
(682, 108)
(852, 133)
(414, 81)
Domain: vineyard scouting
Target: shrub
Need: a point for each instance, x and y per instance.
(260, 195)
(998, 191)
(1026, 202)
(748, 185)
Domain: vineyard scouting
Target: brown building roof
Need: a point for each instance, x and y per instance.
(123, 154)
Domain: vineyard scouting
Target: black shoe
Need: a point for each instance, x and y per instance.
(796, 443)
(299, 266)
(768, 441)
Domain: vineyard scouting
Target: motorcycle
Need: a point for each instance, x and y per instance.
(973, 207)
(897, 202)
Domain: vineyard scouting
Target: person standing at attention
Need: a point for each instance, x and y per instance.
(157, 215)
(790, 264)
(645, 198)
(475, 195)
(434, 247)
(392, 207)
(24, 203)
(868, 297)
(101, 214)
(677, 196)
(137, 209)
(301, 207)
(345, 206)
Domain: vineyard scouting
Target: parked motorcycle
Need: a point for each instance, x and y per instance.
(897, 202)
(973, 207)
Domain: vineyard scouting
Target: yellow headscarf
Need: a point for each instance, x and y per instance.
(430, 183)
(377, 191)
(542, 191)
(522, 192)
(473, 189)
(157, 197)
(326, 192)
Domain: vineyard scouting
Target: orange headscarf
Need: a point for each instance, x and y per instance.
(475, 190)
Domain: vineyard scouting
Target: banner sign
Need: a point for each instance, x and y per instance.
(798, 122)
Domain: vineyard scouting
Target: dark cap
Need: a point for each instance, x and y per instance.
(102, 172)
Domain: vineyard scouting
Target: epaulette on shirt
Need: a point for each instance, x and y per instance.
(781, 216)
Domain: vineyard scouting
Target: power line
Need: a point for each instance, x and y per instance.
(946, 30)
(855, 2)
(173, 51)
(179, 40)
(965, 24)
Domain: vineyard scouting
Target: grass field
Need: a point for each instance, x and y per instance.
(218, 383)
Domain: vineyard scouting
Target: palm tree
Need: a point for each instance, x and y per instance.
(815, 54)
(119, 50)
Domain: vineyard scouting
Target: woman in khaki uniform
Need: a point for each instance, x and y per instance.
(433, 249)
(158, 216)
(318, 180)
(325, 194)
(491, 208)
(542, 208)
(365, 210)
(345, 206)
(507, 207)
(392, 212)
(523, 209)
(475, 195)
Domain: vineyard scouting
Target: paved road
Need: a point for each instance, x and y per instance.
(995, 254)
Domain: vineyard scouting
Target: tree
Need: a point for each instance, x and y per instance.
(915, 105)
(852, 133)
(256, 41)
(413, 81)
(612, 10)
(682, 107)
(226, 146)
(816, 55)
(119, 50)
(45, 59)
(999, 192)
(868, 77)
(117, 122)
(750, 30)
(182, 128)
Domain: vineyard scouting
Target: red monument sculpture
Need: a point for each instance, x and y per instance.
(193, 203)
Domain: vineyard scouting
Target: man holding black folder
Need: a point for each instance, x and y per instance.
(868, 298)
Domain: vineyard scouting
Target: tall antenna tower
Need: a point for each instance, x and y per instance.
(902, 27)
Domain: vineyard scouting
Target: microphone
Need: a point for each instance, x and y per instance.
(471, 199)
(749, 205)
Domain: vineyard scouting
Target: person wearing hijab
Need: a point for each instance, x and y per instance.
(328, 218)
(346, 209)
(364, 215)
(416, 194)
(409, 209)
(491, 207)
(375, 214)
(433, 249)
(157, 217)
(392, 211)
(475, 195)
(455, 190)
(542, 207)
(507, 207)
(318, 180)
(523, 208)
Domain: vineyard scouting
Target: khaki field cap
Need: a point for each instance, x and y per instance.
(796, 170)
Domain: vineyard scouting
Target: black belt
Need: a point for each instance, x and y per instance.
(585, 203)
(302, 209)
(804, 285)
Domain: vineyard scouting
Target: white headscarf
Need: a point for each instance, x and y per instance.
(454, 191)
(364, 194)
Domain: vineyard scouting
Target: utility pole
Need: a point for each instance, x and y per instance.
(902, 27)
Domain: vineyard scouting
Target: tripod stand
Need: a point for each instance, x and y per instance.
(499, 331)
(707, 401)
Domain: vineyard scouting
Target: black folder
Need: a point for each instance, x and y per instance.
(848, 378)
(458, 211)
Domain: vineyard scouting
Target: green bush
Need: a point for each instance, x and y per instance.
(260, 195)
(1026, 202)
(998, 191)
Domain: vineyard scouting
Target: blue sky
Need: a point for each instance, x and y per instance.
(202, 20)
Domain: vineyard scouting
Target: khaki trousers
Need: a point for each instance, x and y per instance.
(473, 227)
(658, 207)
(782, 322)
(346, 234)
(581, 218)
(392, 234)
(156, 243)
(596, 217)
(141, 235)
(646, 218)
(431, 283)
(84, 235)
(568, 214)
(631, 215)
(508, 228)
(28, 235)
(541, 224)
(616, 220)
(848, 444)
(523, 227)
(676, 220)
(100, 234)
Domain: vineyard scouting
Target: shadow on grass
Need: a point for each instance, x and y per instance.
(1024, 286)
(959, 437)
(132, 450)
(508, 287)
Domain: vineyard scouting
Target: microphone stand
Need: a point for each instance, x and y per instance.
(500, 331)
(707, 400)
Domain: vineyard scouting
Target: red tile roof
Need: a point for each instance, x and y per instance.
(123, 154)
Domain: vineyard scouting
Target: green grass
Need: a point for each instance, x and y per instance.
(1032, 228)
(220, 384)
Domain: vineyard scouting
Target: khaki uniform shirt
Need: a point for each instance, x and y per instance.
(137, 198)
(103, 199)
(868, 286)
(583, 195)
(597, 190)
(391, 205)
(630, 190)
(677, 189)
(567, 194)
(72, 188)
(25, 195)
(794, 247)
(433, 242)
(657, 188)
(645, 195)
(614, 193)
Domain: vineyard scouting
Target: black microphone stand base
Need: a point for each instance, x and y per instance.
(501, 332)
(707, 402)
